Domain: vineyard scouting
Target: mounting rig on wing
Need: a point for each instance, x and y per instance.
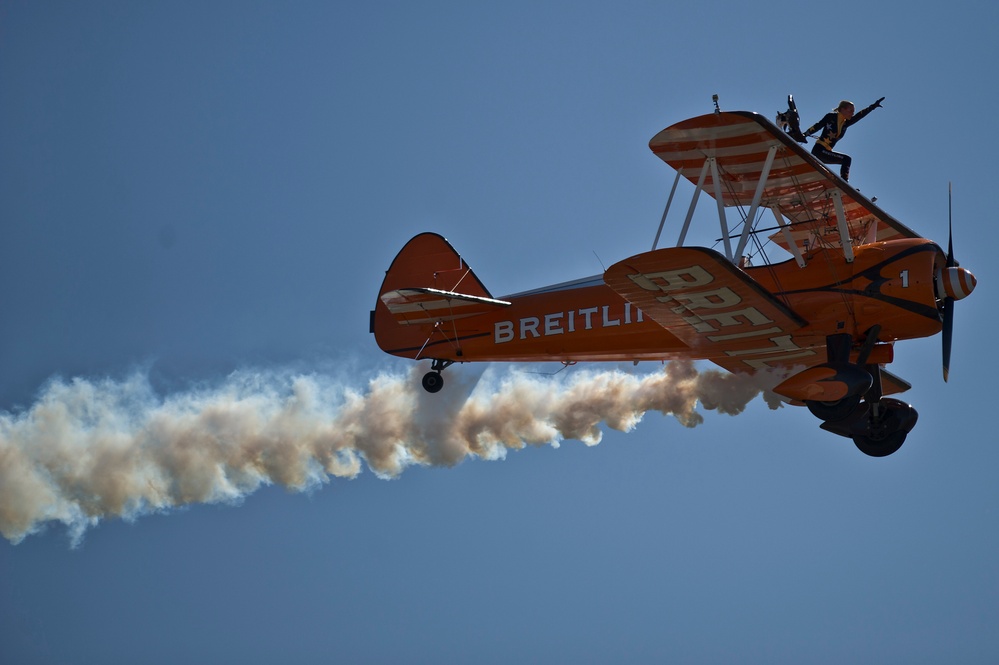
(790, 122)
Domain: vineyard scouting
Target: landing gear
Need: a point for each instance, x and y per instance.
(886, 424)
(877, 425)
(877, 428)
(433, 381)
(834, 410)
(854, 380)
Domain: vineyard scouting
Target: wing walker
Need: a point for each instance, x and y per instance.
(828, 317)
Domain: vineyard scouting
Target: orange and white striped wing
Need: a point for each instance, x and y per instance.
(797, 185)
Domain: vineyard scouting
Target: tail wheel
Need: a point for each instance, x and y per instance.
(433, 382)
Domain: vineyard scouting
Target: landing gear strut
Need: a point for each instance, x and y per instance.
(878, 425)
(433, 381)
(855, 378)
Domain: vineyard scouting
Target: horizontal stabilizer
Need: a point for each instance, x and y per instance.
(426, 305)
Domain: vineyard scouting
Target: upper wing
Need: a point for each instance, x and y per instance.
(712, 306)
(797, 185)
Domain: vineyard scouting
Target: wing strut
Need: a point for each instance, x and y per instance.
(844, 230)
(788, 238)
(721, 209)
(669, 201)
(748, 226)
(693, 201)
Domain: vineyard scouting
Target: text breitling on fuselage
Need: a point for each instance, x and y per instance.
(559, 323)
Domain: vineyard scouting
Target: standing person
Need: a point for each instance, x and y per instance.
(834, 126)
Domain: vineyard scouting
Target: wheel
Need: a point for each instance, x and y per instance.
(885, 434)
(433, 382)
(837, 410)
(880, 447)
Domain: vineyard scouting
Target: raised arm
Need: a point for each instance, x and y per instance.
(860, 114)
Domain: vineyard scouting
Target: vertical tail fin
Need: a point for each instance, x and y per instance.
(427, 283)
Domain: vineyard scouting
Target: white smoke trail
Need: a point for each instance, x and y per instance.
(88, 450)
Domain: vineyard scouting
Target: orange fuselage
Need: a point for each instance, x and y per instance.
(890, 284)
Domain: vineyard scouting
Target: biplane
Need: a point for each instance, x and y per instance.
(856, 282)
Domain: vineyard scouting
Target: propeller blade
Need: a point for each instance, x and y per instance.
(950, 227)
(948, 329)
(948, 303)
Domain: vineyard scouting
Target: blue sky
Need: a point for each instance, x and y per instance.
(195, 191)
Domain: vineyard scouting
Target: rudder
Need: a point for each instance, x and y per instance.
(427, 283)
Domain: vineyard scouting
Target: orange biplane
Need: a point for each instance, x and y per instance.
(857, 281)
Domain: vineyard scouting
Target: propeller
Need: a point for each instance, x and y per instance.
(953, 283)
(948, 303)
